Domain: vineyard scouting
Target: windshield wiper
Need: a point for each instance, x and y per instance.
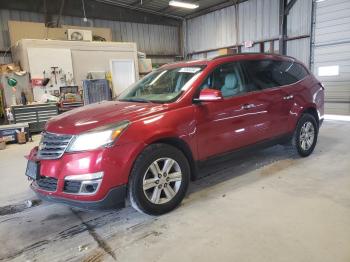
(136, 99)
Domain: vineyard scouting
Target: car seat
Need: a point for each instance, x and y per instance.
(230, 88)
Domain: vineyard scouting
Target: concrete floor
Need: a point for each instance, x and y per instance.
(266, 206)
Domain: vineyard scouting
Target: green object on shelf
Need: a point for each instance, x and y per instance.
(11, 82)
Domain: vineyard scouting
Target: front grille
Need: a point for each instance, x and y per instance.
(52, 146)
(47, 183)
(72, 186)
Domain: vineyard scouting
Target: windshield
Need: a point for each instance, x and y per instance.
(161, 86)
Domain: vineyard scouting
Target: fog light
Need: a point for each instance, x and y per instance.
(88, 184)
(89, 187)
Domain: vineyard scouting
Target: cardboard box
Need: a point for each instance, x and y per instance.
(145, 65)
(226, 51)
(31, 30)
(21, 138)
(9, 68)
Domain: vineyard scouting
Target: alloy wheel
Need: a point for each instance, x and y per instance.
(162, 180)
(307, 136)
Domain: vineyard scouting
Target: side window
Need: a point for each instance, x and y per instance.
(295, 71)
(259, 73)
(273, 73)
(228, 78)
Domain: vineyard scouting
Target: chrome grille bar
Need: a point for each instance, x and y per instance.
(52, 146)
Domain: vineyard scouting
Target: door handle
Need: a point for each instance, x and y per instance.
(248, 106)
(289, 97)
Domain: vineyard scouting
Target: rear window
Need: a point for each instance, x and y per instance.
(273, 73)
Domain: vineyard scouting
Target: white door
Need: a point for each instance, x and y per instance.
(123, 74)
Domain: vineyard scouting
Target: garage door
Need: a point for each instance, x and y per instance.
(331, 53)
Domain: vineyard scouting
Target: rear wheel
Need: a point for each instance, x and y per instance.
(159, 179)
(305, 135)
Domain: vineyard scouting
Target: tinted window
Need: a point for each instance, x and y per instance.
(229, 79)
(273, 73)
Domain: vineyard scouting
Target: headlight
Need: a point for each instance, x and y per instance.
(105, 136)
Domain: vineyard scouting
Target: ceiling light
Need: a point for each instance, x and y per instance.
(183, 4)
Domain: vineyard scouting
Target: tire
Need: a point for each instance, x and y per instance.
(165, 164)
(305, 135)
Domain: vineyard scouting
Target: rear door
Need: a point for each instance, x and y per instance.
(278, 80)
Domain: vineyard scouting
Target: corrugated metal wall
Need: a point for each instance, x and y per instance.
(299, 18)
(332, 48)
(151, 39)
(299, 24)
(258, 20)
(300, 49)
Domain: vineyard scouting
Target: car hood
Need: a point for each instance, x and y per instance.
(96, 115)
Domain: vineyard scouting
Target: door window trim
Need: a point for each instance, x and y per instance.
(280, 86)
(242, 72)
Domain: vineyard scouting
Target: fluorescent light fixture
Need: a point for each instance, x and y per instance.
(328, 70)
(183, 4)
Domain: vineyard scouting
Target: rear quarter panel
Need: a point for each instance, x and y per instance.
(308, 93)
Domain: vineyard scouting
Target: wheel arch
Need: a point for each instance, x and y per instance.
(312, 111)
(184, 148)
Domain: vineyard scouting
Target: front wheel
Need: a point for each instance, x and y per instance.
(305, 135)
(159, 179)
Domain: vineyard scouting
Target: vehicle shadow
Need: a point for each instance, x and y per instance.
(234, 166)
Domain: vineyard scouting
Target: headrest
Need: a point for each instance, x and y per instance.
(231, 81)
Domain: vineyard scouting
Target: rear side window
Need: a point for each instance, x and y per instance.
(273, 73)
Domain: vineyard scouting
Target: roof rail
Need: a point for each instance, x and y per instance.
(246, 53)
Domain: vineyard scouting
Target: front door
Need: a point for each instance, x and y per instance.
(237, 121)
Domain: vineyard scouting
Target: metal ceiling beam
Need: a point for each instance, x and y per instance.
(141, 2)
(60, 13)
(282, 27)
(289, 6)
(284, 9)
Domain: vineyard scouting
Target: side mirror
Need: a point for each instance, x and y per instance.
(209, 95)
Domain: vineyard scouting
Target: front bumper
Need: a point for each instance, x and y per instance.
(114, 162)
(115, 198)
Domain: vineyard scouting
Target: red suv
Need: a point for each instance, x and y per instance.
(148, 143)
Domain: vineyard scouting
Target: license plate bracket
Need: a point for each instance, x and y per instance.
(32, 170)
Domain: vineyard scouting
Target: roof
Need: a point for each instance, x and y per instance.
(224, 58)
